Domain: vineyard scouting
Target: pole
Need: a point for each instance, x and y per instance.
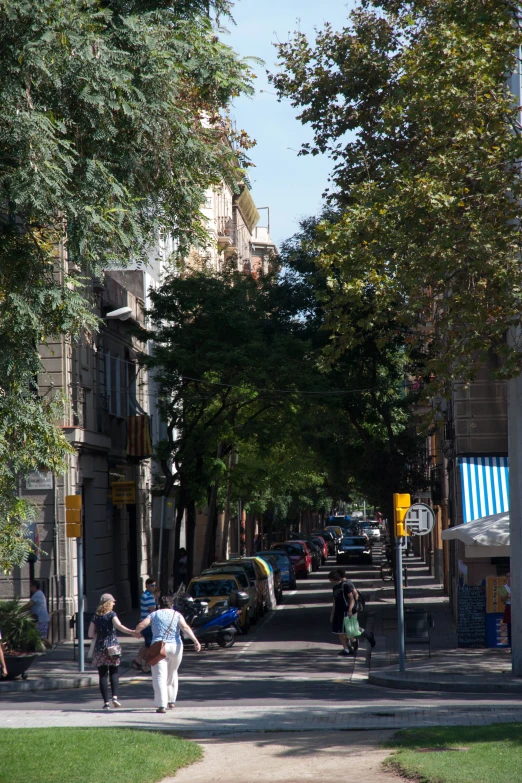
(364, 509)
(162, 525)
(514, 450)
(81, 650)
(239, 527)
(400, 601)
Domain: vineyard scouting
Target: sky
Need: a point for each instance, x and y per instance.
(290, 185)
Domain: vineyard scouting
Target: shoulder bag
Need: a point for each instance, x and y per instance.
(157, 651)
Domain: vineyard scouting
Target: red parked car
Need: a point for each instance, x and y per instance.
(299, 554)
(322, 543)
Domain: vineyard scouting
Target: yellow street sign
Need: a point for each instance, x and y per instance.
(123, 492)
(73, 516)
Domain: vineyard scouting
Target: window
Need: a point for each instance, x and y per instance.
(212, 588)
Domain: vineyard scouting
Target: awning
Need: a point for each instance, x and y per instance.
(485, 537)
(485, 486)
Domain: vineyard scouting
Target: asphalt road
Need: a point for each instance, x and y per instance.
(290, 658)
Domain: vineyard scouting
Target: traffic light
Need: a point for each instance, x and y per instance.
(401, 504)
(73, 516)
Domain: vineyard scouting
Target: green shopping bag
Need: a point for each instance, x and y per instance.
(351, 626)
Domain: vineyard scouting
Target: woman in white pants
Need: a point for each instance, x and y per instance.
(167, 625)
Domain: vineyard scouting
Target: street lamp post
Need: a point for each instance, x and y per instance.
(514, 441)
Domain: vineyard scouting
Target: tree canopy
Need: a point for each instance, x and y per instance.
(410, 101)
(112, 124)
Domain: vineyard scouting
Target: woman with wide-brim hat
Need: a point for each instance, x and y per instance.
(107, 651)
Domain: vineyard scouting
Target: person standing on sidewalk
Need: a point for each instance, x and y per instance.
(107, 651)
(167, 625)
(147, 605)
(38, 608)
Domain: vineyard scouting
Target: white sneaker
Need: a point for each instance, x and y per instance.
(115, 702)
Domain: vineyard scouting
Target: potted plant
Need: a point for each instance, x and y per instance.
(20, 638)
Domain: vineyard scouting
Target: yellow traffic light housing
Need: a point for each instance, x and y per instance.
(401, 504)
(73, 516)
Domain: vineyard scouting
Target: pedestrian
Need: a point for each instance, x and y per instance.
(107, 651)
(353, 642)
(147, 605)
(167, 625)
(345, 604)
(3, 667)
(38, 608)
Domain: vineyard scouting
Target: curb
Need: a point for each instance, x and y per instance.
(60, 682)
(385, 680)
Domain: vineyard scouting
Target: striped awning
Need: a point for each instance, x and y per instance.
(485, 486)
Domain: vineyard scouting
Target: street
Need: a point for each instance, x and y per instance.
(284, 675)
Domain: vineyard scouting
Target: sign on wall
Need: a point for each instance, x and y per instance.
(123, 493)
(39, 480)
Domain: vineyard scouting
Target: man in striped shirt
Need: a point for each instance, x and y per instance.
(147, 605)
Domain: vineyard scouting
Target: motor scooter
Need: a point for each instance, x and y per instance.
(218, 625)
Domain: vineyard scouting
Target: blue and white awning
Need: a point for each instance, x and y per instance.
(485, 486)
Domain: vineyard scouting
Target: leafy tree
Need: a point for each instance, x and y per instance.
(112, 125)
(226, 360)
(360, 424)
(410, 101)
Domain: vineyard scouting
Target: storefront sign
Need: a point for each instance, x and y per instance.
(123, 493)
(39, 480)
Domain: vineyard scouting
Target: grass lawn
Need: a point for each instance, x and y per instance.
(91, 755)
(493, 754)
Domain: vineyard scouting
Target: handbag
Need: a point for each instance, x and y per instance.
(157, 651)
(113, 650)
(351, 626)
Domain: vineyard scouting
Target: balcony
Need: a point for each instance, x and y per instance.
(226, 233)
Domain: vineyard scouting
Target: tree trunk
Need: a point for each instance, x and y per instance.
(190, 535)
(177, 534)
(226, 524)
(212, 520)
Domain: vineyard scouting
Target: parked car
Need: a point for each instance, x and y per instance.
(278, 579)
(329, 537)
(299, 555)
(262, 572)
(285, 566)
(321, 543)
(256, 582)
(354, 548)
(337, 531)
(218, 587)
(241, 574)
(315, 551)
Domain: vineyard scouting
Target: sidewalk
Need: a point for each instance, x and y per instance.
(449, 668)
(58, 669)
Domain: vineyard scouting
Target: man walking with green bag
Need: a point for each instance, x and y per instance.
(343, 616)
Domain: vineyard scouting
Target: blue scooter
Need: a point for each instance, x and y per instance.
(219, 624)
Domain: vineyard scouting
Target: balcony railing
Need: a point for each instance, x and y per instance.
(227, 232)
